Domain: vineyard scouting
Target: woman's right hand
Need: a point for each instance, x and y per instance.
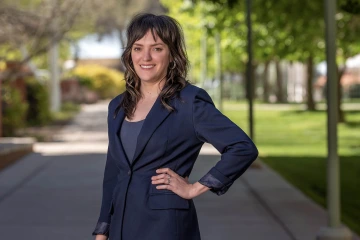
(101, 237)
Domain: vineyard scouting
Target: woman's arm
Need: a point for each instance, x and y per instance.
(236, 148)
(101, 237)
(198, 189)
(109, 182)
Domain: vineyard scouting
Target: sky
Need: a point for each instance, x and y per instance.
(350, 63)
(91, 47)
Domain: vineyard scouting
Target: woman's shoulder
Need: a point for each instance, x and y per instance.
(190, 91)
(116, 101)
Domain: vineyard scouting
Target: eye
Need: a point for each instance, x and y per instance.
(157, 49)
(136, 49)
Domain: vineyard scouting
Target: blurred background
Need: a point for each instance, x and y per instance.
(60, 65)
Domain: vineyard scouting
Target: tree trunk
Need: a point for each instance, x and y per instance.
(309, 84)
(203, 57)
(341, 118)
(0, 109)
(266, 82)
(245, 84)
(279, 80)
(253, 75)
(218, 74)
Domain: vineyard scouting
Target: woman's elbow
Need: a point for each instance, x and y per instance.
(253, 152)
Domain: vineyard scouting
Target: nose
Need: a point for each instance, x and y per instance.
(146, 55)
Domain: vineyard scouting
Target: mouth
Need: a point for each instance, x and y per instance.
(148, 66)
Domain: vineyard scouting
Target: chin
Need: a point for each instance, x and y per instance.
(147, 80)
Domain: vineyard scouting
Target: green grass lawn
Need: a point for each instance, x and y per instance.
(293, 142)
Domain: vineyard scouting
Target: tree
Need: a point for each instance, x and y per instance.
(116, 14)
(348, 34)
(32, 25)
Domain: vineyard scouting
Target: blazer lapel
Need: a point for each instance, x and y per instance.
(118, 122)
(155, 117)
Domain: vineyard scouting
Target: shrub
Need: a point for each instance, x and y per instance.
(106, 82)
(13, 110)
(354, 91)
(38, 100)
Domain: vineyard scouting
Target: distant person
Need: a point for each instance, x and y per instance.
(156, 129)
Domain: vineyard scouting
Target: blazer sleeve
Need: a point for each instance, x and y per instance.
(236, 148)
(109, 182)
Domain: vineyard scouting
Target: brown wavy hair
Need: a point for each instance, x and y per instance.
(170, 32)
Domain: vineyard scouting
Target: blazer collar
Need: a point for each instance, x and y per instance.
(157, 114)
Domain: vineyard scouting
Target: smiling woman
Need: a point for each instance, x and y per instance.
(156, 130)
(151, 58)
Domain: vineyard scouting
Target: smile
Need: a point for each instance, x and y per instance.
(147, 66)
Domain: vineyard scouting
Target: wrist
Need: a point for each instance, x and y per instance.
(197, 189)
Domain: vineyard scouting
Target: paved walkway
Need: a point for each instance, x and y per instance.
(54, 193)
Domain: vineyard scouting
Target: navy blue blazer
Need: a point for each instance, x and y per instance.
(132, 208)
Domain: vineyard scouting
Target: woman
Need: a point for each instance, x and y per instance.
(156, 129)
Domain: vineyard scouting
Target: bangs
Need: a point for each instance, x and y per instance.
(158, 26)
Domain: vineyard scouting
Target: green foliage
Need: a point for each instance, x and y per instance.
(106, 82)
(350, 6)
(287, 30)
(67, 112)
(85, 81)
(13, 110)
(38, 101)
(206, 19)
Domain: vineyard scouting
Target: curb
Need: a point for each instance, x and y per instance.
(12, 149)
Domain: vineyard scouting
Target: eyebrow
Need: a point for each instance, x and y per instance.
(137, 44)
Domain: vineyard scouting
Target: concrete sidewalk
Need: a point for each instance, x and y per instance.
(55, 193)
(261, 205)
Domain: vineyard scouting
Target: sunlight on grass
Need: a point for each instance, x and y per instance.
(294, 143)
(297, 132)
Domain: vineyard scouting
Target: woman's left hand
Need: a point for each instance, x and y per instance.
(168, 179)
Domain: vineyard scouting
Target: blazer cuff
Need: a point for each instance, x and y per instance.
(216, 181)
(101, 228)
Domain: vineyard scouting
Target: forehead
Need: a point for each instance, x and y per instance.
(150, 37)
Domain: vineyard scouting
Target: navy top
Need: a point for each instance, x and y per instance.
(129, 134)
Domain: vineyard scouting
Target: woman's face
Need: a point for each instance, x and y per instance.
(150, 58)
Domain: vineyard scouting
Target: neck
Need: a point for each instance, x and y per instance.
(150, 89)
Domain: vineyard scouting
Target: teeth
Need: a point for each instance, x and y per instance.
(147, 66)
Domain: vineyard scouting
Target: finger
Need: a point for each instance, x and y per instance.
(160, 181)
(160, 176)
(168, 187)
(166, 170)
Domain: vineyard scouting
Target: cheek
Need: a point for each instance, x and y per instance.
(133, 57)
(166, 61)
